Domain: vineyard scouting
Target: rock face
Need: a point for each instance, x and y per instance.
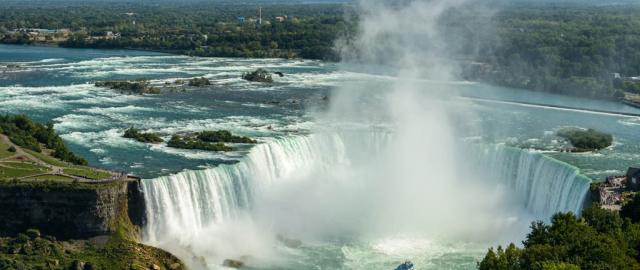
(69, 212)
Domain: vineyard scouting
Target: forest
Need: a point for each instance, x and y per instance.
(199, 29)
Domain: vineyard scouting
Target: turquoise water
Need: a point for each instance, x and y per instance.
(55, 84)
(195, 195)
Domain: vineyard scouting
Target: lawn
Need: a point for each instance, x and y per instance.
(47, 158)
(4, 152)
(9, 170)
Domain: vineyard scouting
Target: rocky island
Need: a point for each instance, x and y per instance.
(132, 87)
(259, 75)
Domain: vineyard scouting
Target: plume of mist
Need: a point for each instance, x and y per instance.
(416, 185)
(415, 181)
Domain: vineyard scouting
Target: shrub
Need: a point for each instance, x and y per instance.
(33, 233)
(12, 149)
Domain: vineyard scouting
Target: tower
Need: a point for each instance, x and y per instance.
(260, 15)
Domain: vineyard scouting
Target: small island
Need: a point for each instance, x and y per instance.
(199, 82)
(208, 141)
(133, 87)
(223, 136)
(584, 140)
(259, 75)
(133, 133)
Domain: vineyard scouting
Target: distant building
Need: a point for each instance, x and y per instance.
(241, 19)
(633, 178)
(112, 35)
(281, 18)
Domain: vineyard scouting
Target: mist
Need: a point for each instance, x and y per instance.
(417, 182)
(397, 167)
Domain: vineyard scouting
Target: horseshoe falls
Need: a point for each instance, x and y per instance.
(188, 207)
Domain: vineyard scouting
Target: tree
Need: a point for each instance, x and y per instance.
(631, 209)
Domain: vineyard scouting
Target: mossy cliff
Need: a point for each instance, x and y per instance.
(69, 210)
(50, 225)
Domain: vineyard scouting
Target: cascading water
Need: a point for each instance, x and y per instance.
(182, 207)
(188, 201)
(545, 185)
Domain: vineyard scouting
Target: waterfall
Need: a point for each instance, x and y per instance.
(186, 202)
(179, 206)
(545, 185)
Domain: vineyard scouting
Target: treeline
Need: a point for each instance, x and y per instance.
(568, 49)
(28, 134)
(193, 28)
(600, 239)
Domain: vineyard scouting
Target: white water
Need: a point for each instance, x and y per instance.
(545, 185)
(186, 210)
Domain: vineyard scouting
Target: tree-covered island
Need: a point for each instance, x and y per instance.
(584, 140)
(208, 141)
(144, 137)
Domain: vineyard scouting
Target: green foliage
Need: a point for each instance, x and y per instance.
(631, 209)
(135, 87)
(192, 142)
(199, 82)
(559, 266)
(24, 252)
(28, 134)
(259, 75)
(604, 221)
(12, 149)
(222, 136)
(208, 140)
(133, 133)
(573, 49)
(599, 240)
(192, 28)
(586, 140)
(33, 233)
(501, 259)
